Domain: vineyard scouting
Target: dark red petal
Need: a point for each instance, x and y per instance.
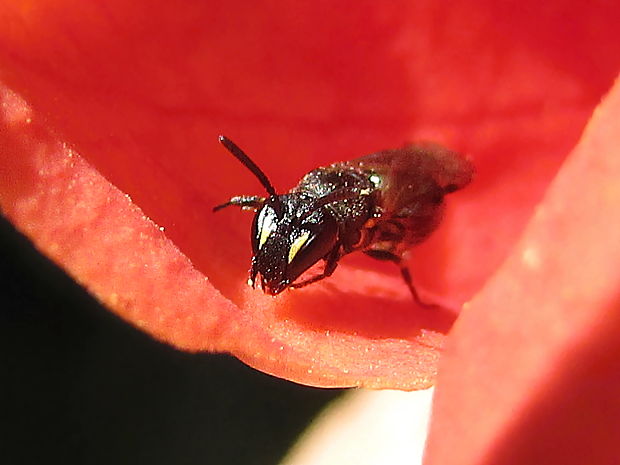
(531, 373)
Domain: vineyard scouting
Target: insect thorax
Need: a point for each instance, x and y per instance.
(351, 214)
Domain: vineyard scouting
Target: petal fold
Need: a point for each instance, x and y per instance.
(531, 372)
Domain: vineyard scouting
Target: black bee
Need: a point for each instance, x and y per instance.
(381, 204)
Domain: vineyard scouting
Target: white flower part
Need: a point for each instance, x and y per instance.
(367, 428)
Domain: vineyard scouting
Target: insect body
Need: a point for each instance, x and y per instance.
(381, 204)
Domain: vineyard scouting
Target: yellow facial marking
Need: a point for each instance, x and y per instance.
(266, 229)
(297, 244)
(264, 234)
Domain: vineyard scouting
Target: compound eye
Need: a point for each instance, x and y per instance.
(266, 223)
(311, 245)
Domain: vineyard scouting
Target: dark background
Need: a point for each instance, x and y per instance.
(79, 386)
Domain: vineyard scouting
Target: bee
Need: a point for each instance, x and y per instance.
(381, 204)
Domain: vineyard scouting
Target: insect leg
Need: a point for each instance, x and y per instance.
(404, 271)
(331, 262)
(246, 202)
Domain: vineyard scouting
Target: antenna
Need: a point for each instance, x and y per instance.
(249, 164)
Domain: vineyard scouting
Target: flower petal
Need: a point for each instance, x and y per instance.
(531, 372)
(366, 428)
(142, 90)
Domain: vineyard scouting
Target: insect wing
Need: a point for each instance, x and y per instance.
(415, 175)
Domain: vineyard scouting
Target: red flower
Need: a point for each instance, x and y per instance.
(131, 97)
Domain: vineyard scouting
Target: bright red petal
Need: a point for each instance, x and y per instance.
(531, 374)
(142, 89)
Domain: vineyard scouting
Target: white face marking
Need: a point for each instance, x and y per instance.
(266, 225)
(297, 245)
(375, 179)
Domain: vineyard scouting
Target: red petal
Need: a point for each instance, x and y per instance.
(531, 372)
(143, 89)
